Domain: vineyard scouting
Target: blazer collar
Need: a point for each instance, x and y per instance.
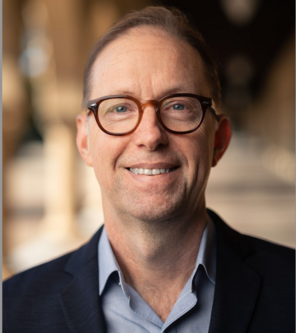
(80, 299)
(236, 291)
(237, 285)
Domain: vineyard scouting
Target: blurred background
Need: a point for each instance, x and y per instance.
(51, 200)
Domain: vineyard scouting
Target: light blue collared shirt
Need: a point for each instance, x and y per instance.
(126, 311)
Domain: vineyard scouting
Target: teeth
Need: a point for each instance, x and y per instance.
(149, 172)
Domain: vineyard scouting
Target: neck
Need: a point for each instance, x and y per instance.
(158, 257)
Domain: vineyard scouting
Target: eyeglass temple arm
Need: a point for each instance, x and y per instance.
(208, 105)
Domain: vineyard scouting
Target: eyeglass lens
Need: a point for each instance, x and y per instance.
(121, 115)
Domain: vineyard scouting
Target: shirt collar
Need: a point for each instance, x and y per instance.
(207, 251)
(107, 261)
(206, 257)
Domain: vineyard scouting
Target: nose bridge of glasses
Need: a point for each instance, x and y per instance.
(152, 103)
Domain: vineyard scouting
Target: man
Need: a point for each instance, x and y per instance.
(162, 262)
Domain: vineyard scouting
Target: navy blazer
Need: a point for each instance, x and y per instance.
(254, 292)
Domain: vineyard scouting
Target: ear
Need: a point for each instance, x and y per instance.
(82, 139)
(222, 138)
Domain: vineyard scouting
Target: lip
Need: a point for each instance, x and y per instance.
(160, 165)
(161, 179)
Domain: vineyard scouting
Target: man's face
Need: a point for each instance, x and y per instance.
(149, 65)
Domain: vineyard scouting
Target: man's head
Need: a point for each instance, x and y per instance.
(175, 24)
(147, 62)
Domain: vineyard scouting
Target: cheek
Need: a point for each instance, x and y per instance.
(200, 152)
(203, 142)
(105, 151)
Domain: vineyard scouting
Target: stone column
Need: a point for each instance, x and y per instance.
(14, 103)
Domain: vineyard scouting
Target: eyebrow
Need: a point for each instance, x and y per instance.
(163, 94)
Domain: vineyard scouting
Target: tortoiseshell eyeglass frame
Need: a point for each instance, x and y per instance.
(206, 103)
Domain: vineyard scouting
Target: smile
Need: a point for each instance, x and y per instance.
(150, 172)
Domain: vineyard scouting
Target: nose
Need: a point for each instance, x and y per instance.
(150, 133)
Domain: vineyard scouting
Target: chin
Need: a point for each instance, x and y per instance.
(156, 213)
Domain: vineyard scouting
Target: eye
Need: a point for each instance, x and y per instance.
(178, 107)
(121, 109)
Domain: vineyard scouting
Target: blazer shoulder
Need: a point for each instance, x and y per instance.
(264, 256)
(276, 261)
(38, 279)
(244, 243)
(51, 277)
(279, 251)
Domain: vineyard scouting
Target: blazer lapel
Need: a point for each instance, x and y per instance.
(237, 285)
(236, 291)
(80, 300)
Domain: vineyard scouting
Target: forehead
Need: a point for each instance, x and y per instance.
(148, 63)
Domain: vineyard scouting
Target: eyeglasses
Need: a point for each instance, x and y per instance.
(177, 113)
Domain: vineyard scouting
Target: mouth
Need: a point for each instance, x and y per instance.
(150, 172)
